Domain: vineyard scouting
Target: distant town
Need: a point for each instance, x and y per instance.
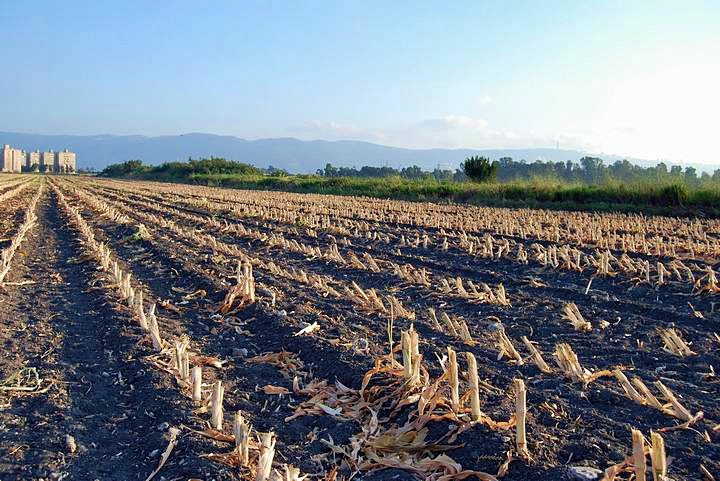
(17, 160)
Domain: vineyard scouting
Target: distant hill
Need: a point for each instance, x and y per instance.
(297, 156)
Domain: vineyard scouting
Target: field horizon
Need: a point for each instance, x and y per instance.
(232, 328)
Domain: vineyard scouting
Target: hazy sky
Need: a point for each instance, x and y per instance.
(634, 78)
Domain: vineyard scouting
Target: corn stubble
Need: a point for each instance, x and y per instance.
(638, 391)
(572, 314)
(636, 464)
(394, 385)
(399, 398)
(255, 458)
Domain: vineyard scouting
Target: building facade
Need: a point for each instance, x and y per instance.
(17, 160)
(32, 162)
(47, 161)
(65, 161)
(12, 159)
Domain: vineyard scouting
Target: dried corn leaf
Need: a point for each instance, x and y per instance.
(275, 390)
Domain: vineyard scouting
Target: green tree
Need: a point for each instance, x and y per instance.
(480, 169)
(124, 169)
(593, 168)
(413, 172)
(330, 170)
(274, 171)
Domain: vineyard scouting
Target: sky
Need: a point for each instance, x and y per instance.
(637, 78)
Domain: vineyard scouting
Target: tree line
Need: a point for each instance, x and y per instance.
(593, 170)
(179, 170)
(412, 172)
(588, 170)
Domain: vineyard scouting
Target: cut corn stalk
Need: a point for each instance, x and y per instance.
(217, 406)
(474, 387)
(536, 356)
(520, 413)
(629, 389)
(411, 356)
(674, 344)
(453, 379)
(506, 347)
(265, 459)
(657, 456)
(154, 330)
(241, 430)
(569, 364)
(572, 314)
(197, 384)
(638, 456)
(676, 408)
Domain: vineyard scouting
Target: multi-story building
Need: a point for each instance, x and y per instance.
(47, 161)
(32, 162)
(65, 161)
(18, 160)
(12, 159)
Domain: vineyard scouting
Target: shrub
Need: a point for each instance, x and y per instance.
(674, 194)
(125, 169)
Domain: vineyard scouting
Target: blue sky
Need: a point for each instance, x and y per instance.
(634, 78)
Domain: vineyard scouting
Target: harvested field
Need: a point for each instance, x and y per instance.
(225, 334)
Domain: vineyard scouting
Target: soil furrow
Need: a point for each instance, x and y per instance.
(115, 407)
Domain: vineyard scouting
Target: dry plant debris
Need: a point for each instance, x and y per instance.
(572, 314)
(337, 275)
(26, 380)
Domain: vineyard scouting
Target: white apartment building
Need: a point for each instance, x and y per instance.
(13, 160)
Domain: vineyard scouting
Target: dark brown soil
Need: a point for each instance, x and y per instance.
(115, 406)
(72, 330)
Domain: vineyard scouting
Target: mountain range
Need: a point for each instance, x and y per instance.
(294, 155)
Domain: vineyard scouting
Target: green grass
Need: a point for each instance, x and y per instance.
(670, 198)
